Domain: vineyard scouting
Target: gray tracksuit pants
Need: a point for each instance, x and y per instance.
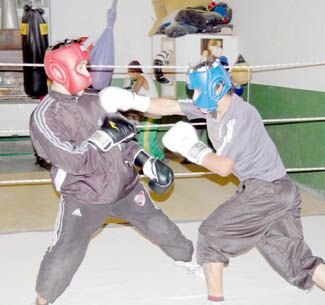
(265, 215)
(77, 222)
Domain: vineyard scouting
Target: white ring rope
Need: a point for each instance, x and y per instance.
(140, 126)
(238, 67)
(266, 121)
(177, 175)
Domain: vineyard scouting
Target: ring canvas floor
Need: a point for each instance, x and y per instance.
(123, 268)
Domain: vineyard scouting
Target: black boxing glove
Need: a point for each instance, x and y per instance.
(115, 130)
(161, 176)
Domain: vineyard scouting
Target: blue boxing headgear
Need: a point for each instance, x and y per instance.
(205, 78)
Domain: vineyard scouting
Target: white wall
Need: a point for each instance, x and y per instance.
(73, 18)
(269, 33)
(282, 32)
(14, 118)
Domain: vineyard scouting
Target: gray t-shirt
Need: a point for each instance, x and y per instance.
(241, 137)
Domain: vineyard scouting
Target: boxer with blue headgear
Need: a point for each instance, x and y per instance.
(205, 78)
(264, 211)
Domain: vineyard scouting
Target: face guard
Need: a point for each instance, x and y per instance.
(205, 78)
(61, 65)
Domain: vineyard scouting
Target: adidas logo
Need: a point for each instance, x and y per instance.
(77, 212)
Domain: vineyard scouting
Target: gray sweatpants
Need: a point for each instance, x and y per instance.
(265, 215)
(77, 222)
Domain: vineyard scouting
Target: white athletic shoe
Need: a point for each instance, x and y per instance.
(191, 267)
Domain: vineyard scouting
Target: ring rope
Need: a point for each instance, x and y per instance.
(239, 67)
(177, 175)
(182, 175)
(266, 121)
(140, 126)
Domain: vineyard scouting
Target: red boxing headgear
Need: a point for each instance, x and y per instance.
(60, 64)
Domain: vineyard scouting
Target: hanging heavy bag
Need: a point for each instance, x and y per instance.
(103, 53)
(34, 33)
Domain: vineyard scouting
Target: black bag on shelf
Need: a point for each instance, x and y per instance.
(34, 33)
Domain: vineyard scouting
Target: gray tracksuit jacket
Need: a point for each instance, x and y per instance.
(60, 127)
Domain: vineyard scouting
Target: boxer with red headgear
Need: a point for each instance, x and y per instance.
(94, 165)
(66, 64)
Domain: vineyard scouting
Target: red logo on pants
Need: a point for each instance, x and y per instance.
(140, 199)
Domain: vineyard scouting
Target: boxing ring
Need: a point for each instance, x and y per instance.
(122, 267)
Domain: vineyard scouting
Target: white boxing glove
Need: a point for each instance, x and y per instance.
(182, 138)
(113, 99)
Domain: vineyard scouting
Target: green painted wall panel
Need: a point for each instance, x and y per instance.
(300, 144)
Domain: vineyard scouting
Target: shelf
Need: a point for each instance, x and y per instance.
(17, 99)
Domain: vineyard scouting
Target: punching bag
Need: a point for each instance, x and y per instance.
(103, 52)
(34, 33)
(241, 75)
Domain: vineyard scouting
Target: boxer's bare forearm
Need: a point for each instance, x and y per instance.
(164, 106)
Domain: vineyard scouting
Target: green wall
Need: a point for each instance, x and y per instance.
(300, 144)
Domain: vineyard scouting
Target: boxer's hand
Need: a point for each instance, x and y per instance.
(115, 130)
(182, 138)
(161, 176)
(113, 99)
